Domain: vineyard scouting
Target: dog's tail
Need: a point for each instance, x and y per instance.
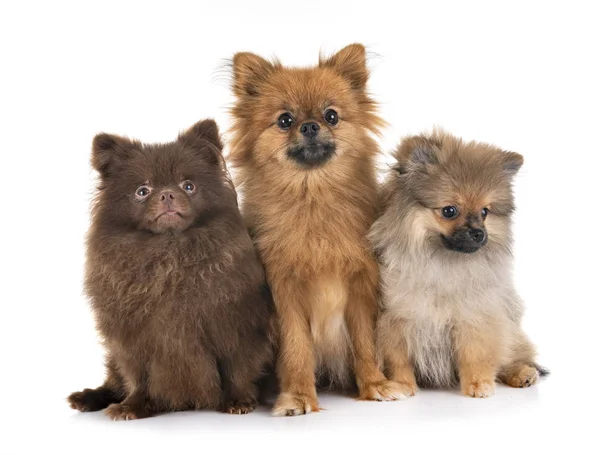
(542, 371)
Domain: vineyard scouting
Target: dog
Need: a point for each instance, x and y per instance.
(450, 312)
(177, 289)
(304, 156)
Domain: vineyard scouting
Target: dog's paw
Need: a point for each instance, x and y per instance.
(78, 401)
(387, 391)
(407, 389)
(89, 400)
(289, 404)
(525, 377)
(479, 389)
(120, 411)
(240, 407)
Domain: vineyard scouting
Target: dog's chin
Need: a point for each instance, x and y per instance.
(313, 154)
(462, 246)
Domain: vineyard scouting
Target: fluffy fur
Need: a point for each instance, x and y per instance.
(177, 289)
(450, 310)
(309, 188)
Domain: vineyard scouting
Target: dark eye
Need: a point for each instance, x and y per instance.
(449, 212)
(484, 212)
(188, 186)
(142, 192)
(331, 117)
(285, 121)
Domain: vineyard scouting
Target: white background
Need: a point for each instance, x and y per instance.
(522, 75)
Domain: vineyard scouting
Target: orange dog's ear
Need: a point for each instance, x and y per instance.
(249, 72)
(351, 63)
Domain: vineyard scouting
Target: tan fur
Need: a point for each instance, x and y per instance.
(310, 224)
(450, 316)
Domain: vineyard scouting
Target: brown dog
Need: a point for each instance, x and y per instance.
(177, 289)
(450, 310)
(305, 159)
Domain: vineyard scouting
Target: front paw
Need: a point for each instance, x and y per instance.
(79, 401)
(387, 391)
(293, 404)
(479, 389)
(120, 411)
(240, 407)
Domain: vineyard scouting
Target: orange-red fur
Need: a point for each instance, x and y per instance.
(310, 223)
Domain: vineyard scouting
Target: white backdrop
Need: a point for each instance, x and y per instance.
(523, 75)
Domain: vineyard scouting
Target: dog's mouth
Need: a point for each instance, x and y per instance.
(169, 215)
(169, 220)
(312, 154)
(461, 244)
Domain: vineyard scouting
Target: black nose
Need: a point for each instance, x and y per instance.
(478, 235)
(310, 129)
(165, 195)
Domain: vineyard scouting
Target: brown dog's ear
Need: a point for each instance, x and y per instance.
(249, 71)
(416, 151)
(204, 130)
(511, 163)
(351, 63)
(204, 138)
(108, 150)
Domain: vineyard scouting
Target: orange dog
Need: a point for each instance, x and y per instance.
(305, 163)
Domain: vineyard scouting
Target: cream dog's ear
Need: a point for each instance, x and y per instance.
(512, 162)
(416, 152)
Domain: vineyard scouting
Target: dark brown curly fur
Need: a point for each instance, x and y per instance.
(177, 289)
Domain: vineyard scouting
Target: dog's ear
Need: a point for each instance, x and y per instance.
(204, 139)
(108, 151)
(511, 163)
(351, 63)
(204, 130)
(249, 72)
(416, 152)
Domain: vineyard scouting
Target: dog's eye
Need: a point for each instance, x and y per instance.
(331, 117)
(188, 186)
(142, 192)
(285, 121)
(484, 212)
(449, 212)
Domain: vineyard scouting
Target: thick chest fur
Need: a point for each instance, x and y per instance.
(313, 234)
(432, 300)
(168, 298)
